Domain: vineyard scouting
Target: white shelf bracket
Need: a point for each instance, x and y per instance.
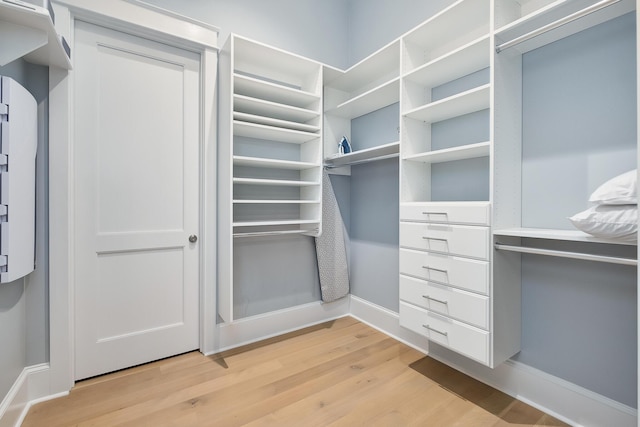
(22, 41)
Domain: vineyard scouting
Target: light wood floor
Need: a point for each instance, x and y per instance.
(341, 373)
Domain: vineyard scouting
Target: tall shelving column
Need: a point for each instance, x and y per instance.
(270, 150)
(446, 292)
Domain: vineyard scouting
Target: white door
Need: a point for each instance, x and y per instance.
(136, 177)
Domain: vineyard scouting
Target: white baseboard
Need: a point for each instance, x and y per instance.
(562, 399)
(388, 322)
(31, 387)
(256, 328)
(557, 397)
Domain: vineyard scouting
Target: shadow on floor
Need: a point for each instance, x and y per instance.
(507, 408)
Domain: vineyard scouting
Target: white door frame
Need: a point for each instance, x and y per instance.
(140, 19)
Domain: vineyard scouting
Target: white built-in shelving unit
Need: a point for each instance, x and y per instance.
(446, 288)
(369, 85)
(27, 31)
(460, 250)
(270, 150)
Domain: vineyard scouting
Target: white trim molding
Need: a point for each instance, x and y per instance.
(562, 399)
(31, 387)
(260, 327)
(387, 322)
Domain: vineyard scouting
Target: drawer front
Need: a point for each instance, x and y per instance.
(461, 240)
(469, 274)
(467, 213)
(455, 303)
(457, 336)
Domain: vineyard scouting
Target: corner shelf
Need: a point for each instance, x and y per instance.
(381, 152)
(372, 100)
(28, 31)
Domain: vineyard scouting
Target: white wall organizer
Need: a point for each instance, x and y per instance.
(270, 150)
(18, 145)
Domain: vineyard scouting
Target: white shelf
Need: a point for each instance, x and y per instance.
(471, 151)
(463, 103)
(383, 63)
(268, 91)
(272, 163)
(553, 234)
(553, 12)
(259, 107)
(372, 100)
(29, 32)
(465, 60)
(438, 35)
(255, 58)
(275, 223)
(275, 202)
(270, 133)
(381, 152)
(268, 121)
(274, 182)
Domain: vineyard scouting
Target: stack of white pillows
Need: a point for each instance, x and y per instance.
(614, 214)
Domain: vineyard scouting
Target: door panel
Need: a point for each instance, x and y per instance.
(136, 138)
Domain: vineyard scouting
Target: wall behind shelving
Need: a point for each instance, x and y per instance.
(579, 129)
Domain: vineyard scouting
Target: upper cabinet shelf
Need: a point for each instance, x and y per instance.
(437, 36)
(463, 103)
(524, 25)
(464, 60)
(27, 31)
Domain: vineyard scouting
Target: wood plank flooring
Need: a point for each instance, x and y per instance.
(340, 373)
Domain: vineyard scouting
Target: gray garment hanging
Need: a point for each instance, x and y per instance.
(331, 248)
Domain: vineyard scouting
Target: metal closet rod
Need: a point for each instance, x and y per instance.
(555, 24)
(566, 254)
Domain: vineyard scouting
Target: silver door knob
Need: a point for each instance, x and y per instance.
(193, 238)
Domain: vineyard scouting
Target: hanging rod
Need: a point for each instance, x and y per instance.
(566, 254)
(272, 233)
(555, 24)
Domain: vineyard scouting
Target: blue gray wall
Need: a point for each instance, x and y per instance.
(314, 29)
(579, 129)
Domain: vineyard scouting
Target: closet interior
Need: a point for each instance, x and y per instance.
(499, 135)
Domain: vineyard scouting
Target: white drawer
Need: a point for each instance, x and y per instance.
(458, 304)
(473, 213)
(469, 274)
(462, 240)
(464, 339)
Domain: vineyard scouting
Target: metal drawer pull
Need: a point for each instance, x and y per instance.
(434, 238)
(435, 213)
(435, 299)
(435, 269)
(435, 330)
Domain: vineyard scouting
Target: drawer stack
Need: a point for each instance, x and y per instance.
(445, 274)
